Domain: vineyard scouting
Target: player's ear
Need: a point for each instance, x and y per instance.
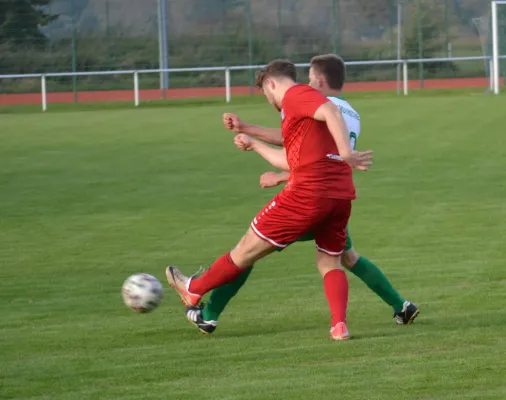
(272, 84)
(321, 81)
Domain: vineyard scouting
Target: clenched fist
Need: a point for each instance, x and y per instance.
(270, 179)
(232, 122)
(243, 142)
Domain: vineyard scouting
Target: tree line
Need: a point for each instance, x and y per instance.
(25, 49)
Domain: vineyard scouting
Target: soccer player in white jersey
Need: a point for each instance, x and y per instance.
(327, 74)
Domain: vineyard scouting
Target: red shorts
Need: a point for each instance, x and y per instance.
(288, 217)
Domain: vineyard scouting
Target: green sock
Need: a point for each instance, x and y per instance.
(373, 277)
(221, 296)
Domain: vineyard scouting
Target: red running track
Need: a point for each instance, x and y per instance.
(156, 94)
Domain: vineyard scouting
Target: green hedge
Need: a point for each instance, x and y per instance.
(120, 53)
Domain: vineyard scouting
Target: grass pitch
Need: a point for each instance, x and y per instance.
(88, 198)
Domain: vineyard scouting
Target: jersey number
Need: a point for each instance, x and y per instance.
(353, 140)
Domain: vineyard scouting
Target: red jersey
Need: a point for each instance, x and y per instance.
(313, 157)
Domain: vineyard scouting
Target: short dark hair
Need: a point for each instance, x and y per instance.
(276, 69)
(332, 68)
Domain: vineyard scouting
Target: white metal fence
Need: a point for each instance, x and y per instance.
(495, 46)
(402, 65)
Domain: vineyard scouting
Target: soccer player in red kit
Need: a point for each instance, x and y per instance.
(316, 200)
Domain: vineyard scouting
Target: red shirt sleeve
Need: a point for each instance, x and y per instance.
(303, 101)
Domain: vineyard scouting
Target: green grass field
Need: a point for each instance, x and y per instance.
(88, 198)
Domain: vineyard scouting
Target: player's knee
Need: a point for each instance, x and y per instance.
(249, 250)
(240, 253)
(349, 258)
(326, 263)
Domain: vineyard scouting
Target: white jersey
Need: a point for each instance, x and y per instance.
(351, 118)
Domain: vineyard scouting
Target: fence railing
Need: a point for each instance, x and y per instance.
(402, 76)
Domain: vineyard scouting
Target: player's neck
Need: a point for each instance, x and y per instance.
(285, 86)
(333, 93)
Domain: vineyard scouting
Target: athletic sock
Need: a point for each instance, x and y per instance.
(222, 295)
(221, 272)
(373, 277)
(335, 284)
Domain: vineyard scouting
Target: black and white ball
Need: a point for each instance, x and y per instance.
(142, 293)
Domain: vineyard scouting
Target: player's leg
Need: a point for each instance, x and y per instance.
(225, 269)
(221, 296)
(369, 273)
(277, 225)
(205, 317)
(335, 285)
(330, 239)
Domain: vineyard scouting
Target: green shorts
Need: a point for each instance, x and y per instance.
(309, 236)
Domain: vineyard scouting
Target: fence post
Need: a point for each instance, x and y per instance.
(136, 88)
(107, 20)
(280, 34)
(447, 27)
(227, 85)
(420, 40)
(491, 75)
(249, 21)
(495, 48)
(335, 23)
(226, 34)
(44, 92)
(405, 77)
(163, 57)
(399, 44)
(74, 50)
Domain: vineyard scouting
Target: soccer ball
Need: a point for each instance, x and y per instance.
(142, 293)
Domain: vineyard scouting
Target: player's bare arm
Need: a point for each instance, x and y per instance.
(276, 157)
(269, 135)
(272, 179)
(330, 114)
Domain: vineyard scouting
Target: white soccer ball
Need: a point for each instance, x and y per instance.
(142, 293)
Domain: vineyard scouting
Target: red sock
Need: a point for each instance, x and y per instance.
(335, 284)
(221, 272)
